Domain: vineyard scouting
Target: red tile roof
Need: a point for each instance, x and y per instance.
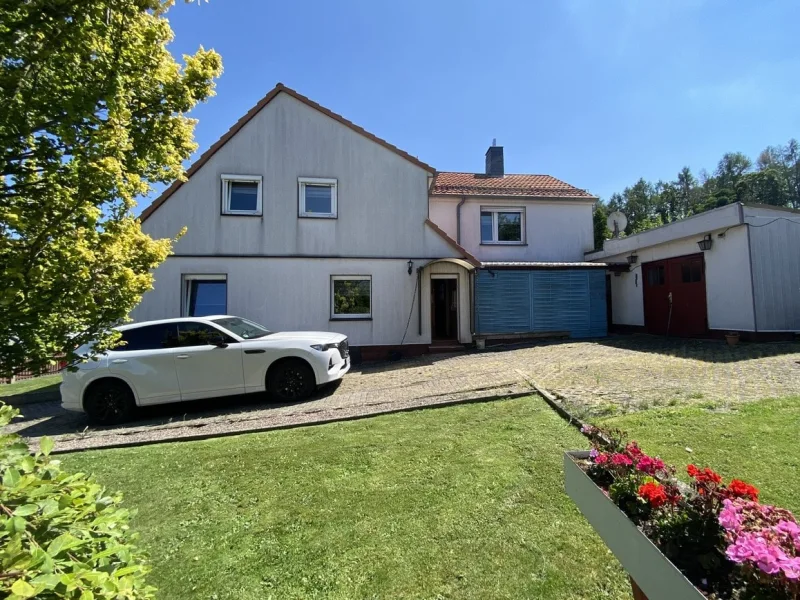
(477, 184)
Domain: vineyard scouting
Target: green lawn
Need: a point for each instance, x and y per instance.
(36, 384)
(758, 442)
(462, 502)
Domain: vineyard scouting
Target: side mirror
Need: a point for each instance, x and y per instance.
(219, 342)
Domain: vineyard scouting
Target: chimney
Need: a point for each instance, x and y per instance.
(494, 160)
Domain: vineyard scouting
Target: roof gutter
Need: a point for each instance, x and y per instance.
(458, 219)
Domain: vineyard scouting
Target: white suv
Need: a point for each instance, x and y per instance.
(192, 358)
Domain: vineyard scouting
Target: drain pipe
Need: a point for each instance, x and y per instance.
(458, 219)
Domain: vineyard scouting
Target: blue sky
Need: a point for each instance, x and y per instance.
(595, 92)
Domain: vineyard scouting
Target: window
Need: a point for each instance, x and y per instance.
(351, 297)
(691, 272)
(317, 197)
(655, 275)
(241, 195)
(243, 328)
(501, 226)
(200, 334)
(205, 295)
(151, 337)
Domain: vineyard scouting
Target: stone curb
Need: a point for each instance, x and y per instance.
(207, 436)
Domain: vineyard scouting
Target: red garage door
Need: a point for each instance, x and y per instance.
(675, 296)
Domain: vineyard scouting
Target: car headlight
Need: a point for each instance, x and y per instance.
(324, 347)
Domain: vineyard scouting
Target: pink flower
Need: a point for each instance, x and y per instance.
(730, 517)
(601, 459)
(621, 460)
(649, 465)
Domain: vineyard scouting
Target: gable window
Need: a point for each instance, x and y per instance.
(502, 225)
(351, 297)
(241, 195)
(317, 197)
(205, 295)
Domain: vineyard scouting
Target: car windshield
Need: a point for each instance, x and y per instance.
(242, 327)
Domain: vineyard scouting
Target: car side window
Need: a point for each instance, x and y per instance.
(200, 334)
(151, 337)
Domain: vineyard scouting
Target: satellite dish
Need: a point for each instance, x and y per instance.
(617, 222)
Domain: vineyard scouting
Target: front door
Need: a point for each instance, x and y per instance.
(444, 309)
(675, 296)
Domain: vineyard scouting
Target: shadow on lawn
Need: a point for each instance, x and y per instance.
(50, 419)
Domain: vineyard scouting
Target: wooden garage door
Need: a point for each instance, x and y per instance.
(675, 296)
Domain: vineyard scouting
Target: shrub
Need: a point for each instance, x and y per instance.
(61, 535)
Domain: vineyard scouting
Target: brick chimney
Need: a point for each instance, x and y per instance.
(494, 160)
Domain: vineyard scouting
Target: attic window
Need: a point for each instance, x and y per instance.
(317, 197)
(241, 195)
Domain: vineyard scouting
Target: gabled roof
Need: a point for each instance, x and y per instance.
(279, 88)
(532, 186)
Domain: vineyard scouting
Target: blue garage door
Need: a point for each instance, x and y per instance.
(508, 301)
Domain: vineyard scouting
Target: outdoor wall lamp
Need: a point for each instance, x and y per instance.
(632, 259)
(705, 243)
(410, 266)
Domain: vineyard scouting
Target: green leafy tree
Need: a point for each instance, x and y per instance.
(93, 113)
(601, 231)
(61, 534)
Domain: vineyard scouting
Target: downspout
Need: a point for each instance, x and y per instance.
(750, 260)
(458, 219)
(419, 301)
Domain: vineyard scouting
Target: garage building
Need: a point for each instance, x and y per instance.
(734, 268)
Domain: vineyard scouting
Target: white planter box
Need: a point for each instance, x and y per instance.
(657, 577)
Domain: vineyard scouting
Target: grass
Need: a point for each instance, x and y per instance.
(35, 384)
(758, 442)
(462, 502)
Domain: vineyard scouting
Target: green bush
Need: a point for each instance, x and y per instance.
(61, 535)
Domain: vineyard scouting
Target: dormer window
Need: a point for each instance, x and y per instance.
(317, 197)
(241, 195)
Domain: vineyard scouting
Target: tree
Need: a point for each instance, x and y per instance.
(93, 113)
(601, 231)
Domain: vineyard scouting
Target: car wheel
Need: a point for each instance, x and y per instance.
(291, 380)
(109, 402)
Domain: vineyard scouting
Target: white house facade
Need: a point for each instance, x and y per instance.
(299, 219)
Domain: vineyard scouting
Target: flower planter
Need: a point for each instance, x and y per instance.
(732, 338)
(649, 569)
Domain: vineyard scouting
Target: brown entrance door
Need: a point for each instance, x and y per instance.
(444, 309)
(675, 296)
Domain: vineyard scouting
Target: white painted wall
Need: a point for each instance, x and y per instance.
(290, 294)
(729, 297)
(555, 230)
(382, 197)
(775, 252)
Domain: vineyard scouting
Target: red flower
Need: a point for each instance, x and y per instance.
(633, 449)
(740, 489)
(601, 459)
(654, 494)
(703, 476)
(621, 460)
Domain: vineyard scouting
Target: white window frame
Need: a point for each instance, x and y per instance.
(301, 192)
(495, 220)
(351, 317)
(187, 288)
(227, 180)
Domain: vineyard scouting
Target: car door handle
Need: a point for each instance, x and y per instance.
(182, 356)
(255, 351)
(119, 361)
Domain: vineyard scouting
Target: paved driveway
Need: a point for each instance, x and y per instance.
(616, 374)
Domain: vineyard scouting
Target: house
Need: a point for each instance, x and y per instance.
(734, 268)
(530, 234)
(299, 219)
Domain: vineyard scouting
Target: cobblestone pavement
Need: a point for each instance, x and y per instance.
(611, 375)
